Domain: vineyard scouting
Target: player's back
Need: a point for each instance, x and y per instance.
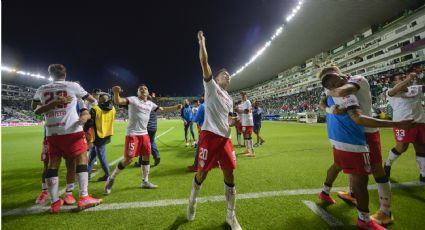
(63, 119)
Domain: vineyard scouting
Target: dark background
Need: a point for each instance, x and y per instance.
(133, 42)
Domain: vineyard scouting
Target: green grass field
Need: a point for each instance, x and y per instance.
(295, 156)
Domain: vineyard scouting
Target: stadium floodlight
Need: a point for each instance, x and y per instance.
(268, 43)
(20, 72)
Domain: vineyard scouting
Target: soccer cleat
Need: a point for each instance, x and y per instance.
(191, 211)
(387, 169)
(103, 178)
(262, 142)
(87, 202)
(249, 154)
(347, 197)
(148, 185)
(194, 143)
(381, 218)
(327, 198)
(41, 199)
(370, 225)
(233, 222)
(56, 206)
(421, 178)
(191, 168)
(69, 199)
(187, 144)
(256, 145)
(108, 185)
(157, 161)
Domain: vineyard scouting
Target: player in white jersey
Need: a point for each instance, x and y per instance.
(238, 124)
(247, 120)
(70, 174)
(64, 133)
(137, 142)
(406, 99)
(342, 85)
(215, 145)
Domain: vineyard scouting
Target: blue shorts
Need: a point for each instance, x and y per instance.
(257, 128)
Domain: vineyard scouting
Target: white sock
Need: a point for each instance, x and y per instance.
(249, 144)
(246, 143)
(230, 193)
(44, 186)
(384, 192)
(145, 172)
(391, 158)
(350, 183)
(52, 186)
(238, 137)
(115, 172)
(194, 192)
(83, 182)
(364, 216)
(421, 164)
(69, 188)
(326, 189)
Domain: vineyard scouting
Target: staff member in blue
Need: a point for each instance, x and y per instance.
(198, 119)
(187, 115)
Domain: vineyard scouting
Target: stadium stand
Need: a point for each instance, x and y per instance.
(377, 53)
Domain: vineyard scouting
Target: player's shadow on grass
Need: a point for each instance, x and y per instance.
(169, 172)
(180, 220)
(408, 192)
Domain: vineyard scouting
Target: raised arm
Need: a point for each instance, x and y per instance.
(344, 90)
(366, 121)
(170, 108)
(118, 100)
(402, 85)
(203, 57)
(60, 100)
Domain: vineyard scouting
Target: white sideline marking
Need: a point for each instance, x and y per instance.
(161, 203)
(328, 218)
(61, 192)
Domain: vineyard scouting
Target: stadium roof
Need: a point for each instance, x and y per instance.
(320, 25)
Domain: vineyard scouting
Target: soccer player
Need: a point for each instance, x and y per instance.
(70, 174)
(215, 146)
(199, 120)
(238, 125)
(257, 114)
(187, 117)
(406, 99)
(152, 128)
(245, 111)
(65, 134)
(137, 142)
(354, 153)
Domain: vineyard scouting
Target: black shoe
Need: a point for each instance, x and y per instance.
(387, 170)
(103, 178)
(157, 161)
(421, 178)
(137, 164)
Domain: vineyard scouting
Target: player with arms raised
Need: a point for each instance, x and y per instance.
(215, 146)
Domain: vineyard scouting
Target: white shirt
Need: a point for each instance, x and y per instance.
(407, 105)
(364, 97)
(63, 119)
(218, 105)
(246, 119)
(138, 115)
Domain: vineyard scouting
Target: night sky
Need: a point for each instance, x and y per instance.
(152, 42)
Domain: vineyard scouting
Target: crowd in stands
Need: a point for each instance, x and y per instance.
(16, 100)
(308, 100)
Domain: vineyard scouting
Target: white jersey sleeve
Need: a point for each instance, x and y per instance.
(347, 102)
